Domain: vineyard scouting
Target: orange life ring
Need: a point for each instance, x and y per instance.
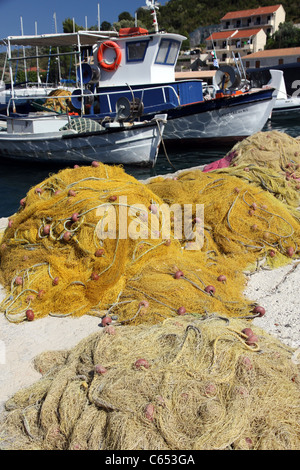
(100, 55)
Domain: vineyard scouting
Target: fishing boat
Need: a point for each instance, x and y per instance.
(45, 137)
(138, 65)
(58, 134)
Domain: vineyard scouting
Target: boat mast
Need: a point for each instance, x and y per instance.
(153, 7)
(11, 78)
(80, 73)
(99, 17)
(24, 55)
(37, 59)
(58, 59)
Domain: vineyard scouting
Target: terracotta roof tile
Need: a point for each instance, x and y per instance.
(221, 35)
(254, 12)
(243, 33)
(274, 53)
(247, 33)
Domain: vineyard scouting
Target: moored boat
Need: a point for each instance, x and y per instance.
(287, 104)
(139, 66)
(50, 137)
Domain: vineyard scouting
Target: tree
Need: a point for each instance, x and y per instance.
(105, 26)
(287, 35)
(68, 26)
(125, 16)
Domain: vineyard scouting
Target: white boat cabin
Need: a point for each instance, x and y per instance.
(137, 58)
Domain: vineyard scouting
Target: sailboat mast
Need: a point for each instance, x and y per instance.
(24, 55)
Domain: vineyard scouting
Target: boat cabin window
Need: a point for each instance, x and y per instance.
(167, 53)
(136, 50)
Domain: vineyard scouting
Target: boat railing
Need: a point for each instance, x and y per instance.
(109, 95)
(141, 91)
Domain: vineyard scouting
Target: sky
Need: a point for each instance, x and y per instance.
(42, 13)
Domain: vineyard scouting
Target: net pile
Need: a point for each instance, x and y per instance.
(173, 303)
(53, 265)
(190, 384)
(243, 224)
(59, 101)
(54, 262)
(271, 161)
(275, 150)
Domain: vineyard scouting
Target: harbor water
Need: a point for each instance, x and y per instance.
(16, 178)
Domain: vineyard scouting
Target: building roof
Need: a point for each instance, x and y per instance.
(221, 35)
(274, 53)
(34, 69)
(247, 33)
(254, 12)
(243, 33)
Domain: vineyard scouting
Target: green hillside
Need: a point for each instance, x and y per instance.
(184, 16)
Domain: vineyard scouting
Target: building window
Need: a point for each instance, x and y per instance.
(257, 64)
(298, 59)
(168, 51)
(280, 61)
(247, 64)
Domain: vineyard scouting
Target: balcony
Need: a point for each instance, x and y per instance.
(231, 47)
(247, 23)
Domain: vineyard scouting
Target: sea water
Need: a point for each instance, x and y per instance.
(16, 178)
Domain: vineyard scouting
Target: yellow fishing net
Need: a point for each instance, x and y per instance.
(54, 262)
(59, 101)
(270, 160)
(275, 150)
(187, 384)
(54, 265)
(168, 281)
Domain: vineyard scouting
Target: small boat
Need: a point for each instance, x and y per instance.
(44, 137)
(25, 95)
(287, 104)
(66, 136)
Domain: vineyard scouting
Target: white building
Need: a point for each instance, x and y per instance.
(272, 57)
(267, 18)
(227, 44)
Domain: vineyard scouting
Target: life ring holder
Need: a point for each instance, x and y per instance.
(100, 56)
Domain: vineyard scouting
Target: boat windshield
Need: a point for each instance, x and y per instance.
(167, 52)
(136, 50)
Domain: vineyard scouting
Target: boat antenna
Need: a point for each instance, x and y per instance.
(152, 5)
